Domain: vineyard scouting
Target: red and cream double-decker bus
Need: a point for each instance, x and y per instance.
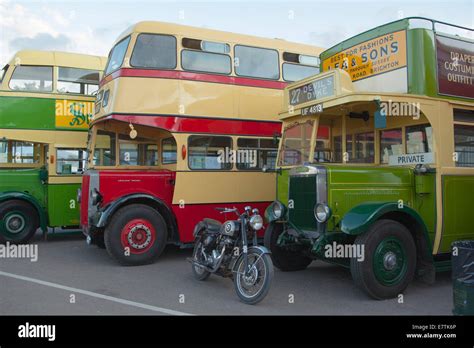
(185, 121)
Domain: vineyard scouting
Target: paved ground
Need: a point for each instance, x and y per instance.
(68, 266)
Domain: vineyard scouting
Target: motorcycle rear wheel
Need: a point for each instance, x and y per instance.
(198, 272)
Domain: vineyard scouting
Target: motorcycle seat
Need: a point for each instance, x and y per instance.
(212, 225)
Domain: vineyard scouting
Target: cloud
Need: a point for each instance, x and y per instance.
(328, 38)
(41, 41)
(47, 28)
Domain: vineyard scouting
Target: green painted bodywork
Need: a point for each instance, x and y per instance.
(55, 203)
(282, 186)
(27, 113)
(458, 193)
(358, 196)
(26, 185)
(421, 55)
(63, 208)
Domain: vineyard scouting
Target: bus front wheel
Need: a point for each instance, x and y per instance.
(389, 260)
(18, 222)
(136, 235)
(285, 260)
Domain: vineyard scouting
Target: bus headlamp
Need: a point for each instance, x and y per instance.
(96, 197)
(256, 222)
(277, 209)
(322, 212)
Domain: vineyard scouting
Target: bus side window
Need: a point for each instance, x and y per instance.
(256, 62)
(19, 152)
(254, 154)
(80, 81)
(32, 79)
(299, 66)
(464, 137)
(209, 152)
(70, 161)
(419, 139)
(154, 51)
(363, 150)
(168, 151)
(390, 144)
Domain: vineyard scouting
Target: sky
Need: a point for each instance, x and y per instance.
(91, 27)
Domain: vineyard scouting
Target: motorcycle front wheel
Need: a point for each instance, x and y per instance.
(199, 272)
(252, 287)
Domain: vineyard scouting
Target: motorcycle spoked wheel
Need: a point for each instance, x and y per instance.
(199, 272)
(253, 288)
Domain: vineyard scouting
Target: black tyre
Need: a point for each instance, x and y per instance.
(136, 235)
(199, 272)
(253, 288)
(390, 260)
(285, 260)
(19, 221)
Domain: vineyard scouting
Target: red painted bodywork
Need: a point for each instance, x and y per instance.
(181, 124)
(192, 76)
(85, 200)
(115, 184)
(191, 214)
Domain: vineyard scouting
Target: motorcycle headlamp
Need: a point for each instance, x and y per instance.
(256, 222)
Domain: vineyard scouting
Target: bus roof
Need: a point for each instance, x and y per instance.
(217, 35)
(56, 58)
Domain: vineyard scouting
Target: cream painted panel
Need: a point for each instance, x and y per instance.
(218, 187)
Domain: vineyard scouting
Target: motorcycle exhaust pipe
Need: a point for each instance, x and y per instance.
(207, 268)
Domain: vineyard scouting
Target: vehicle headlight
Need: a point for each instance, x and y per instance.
(277, 209)
(256, 222)
(322, 212)
(96, 197)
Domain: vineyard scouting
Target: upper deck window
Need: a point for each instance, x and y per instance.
(257, 62)
(80, 81)
(116, 56)
(206, 56)
(32, 79)
(154, 51)
(299, 66)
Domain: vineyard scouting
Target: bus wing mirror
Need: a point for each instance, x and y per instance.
(276, 138)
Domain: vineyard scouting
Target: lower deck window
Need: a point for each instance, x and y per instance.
(104, 150)
(209, 152)
(464, 145)
(360, 147)
(168, 151)
(255, 154)
(70, 161)
(137, 152)
(390, 144)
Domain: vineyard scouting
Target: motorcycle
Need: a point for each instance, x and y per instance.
(222, 249)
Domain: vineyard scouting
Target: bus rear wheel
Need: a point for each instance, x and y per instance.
(284, 260)
(389, 260)
(18, 222)
(136, 235)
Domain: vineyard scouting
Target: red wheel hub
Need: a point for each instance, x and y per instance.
(138, 235)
